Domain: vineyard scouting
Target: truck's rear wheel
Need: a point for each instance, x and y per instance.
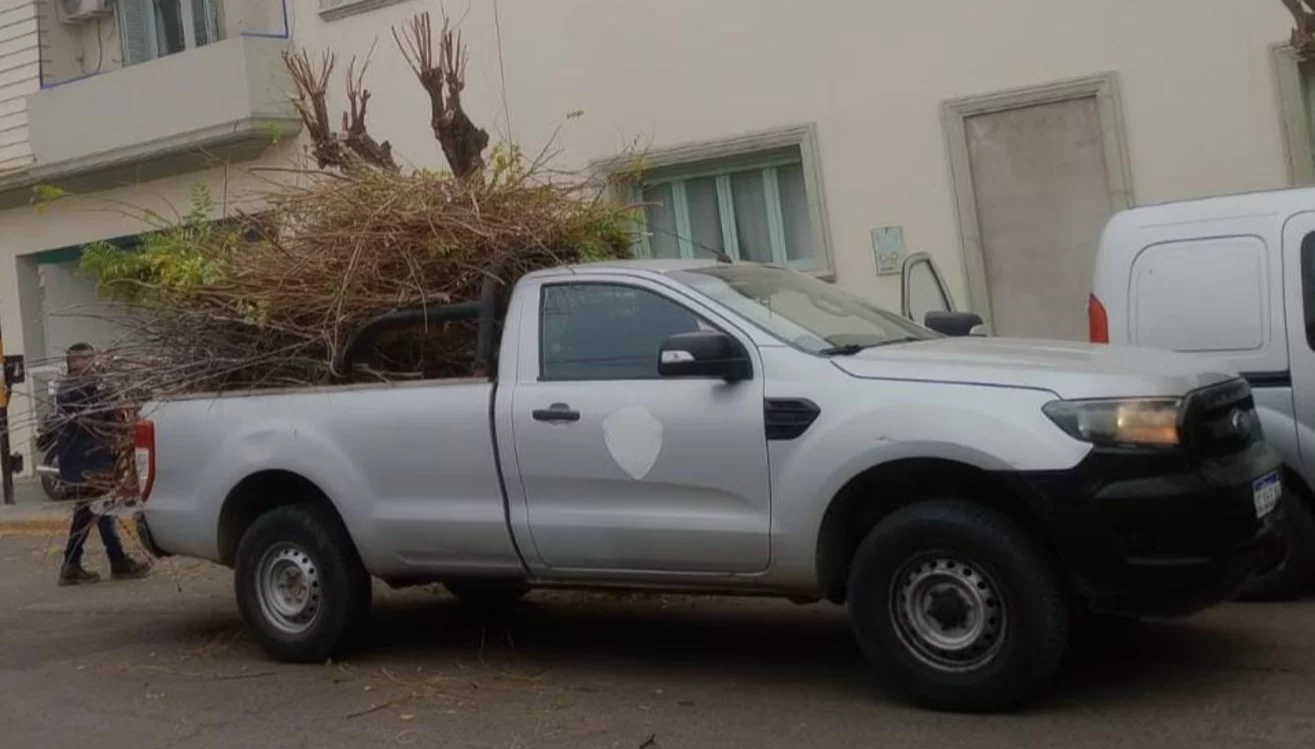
(960, 606)
(1294, 575)
(301, 587)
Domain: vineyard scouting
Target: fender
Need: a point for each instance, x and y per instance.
(992, 429)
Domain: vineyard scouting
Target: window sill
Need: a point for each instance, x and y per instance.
(352, 7)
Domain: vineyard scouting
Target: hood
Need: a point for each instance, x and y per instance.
(1070, 370)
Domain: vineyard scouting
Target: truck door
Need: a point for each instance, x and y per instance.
(624, 471)
(922, 288)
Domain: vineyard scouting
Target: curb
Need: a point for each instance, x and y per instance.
(35, 522)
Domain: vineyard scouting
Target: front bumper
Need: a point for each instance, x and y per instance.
(1160, 535)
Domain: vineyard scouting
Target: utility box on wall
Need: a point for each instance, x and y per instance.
(888, 249)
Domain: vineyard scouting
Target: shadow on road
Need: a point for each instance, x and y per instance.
(710, 640)
(719, 642)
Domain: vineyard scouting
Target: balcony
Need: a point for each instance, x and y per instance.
(223, 102)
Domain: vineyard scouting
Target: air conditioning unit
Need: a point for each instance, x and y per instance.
(81, 11)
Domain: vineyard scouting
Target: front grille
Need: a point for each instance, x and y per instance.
(1221, 420)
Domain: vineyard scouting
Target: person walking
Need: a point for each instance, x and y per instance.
(84, 453)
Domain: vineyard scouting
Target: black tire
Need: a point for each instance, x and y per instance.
(987, 549)
(313, 536)
(55, 489)
(1294, 575)
(488, 596)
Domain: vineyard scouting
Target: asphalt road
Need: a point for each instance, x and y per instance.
(164, 663)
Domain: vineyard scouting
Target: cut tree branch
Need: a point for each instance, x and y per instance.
(444, 77)
(1303, 36)
(355, 135)
(353, 148)
(312, 84)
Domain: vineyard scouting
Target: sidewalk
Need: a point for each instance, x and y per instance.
(32, 511)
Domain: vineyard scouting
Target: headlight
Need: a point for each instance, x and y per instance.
(1142, 422)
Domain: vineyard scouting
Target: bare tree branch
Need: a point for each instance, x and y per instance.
(1303, 36)
(312, 84)
(444, 77)
(355, 135)
(354, 147)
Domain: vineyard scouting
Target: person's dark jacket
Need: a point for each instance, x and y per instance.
(83, 447)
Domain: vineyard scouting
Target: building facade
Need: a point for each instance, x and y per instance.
(830, 136)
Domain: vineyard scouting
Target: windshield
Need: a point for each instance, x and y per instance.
(803, 311)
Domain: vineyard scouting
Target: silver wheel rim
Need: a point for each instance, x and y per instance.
(948, 612)
(288, 587)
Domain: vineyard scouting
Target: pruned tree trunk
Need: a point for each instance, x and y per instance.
(355, 135)
(1303, 36)
(353, 148)
(444, 77)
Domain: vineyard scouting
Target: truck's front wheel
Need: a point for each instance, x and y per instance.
(301, 587)
(960, 606)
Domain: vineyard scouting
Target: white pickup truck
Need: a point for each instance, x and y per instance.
(737, 429)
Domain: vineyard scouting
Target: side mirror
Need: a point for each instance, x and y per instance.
(953, 323)
(706, 353)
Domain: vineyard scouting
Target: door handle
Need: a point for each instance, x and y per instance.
(557, 412)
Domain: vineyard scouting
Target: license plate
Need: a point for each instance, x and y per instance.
(1267, 490)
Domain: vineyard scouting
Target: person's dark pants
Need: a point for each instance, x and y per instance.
(83, 518)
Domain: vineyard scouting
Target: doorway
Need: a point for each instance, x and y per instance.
(1037, 173)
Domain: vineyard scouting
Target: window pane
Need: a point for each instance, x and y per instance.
(136, 19)
(661, 217)
(607, 332)
(751, 216)
(207, 21)
(169, 27)
(704, 216)
(798, 221)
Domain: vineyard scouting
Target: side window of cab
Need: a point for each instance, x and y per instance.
(606, 331)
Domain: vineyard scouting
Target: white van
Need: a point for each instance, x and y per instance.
(1231, 278)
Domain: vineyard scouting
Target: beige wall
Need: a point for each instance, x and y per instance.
(1197, 87)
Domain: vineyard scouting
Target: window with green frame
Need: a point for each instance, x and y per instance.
(753, 207)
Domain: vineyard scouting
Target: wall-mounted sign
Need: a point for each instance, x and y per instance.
(888, 249)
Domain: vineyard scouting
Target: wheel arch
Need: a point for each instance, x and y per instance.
(259, 493)
(875, 493)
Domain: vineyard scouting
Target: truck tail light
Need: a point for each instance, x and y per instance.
(1098, 322)
(144, 458)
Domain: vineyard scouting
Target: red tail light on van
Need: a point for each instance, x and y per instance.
(1098, 322)
(144, 458)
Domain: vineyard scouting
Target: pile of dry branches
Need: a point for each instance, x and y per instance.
(280, 302)
(272, 298)
(269, 300)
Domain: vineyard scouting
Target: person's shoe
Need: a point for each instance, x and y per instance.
(75, 575)
(129, 569)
